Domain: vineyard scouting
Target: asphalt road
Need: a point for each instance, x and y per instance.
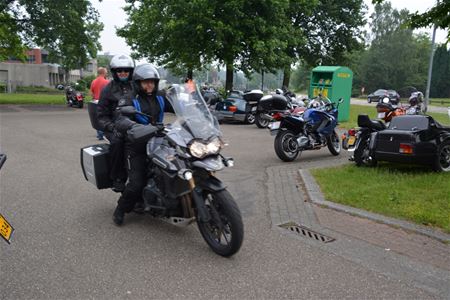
(65, 245)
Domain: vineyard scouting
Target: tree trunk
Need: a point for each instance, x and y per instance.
(229, 78)
(190, 74)
(287, 76)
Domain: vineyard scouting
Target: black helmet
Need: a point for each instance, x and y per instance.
(120, 62)
(145, 72)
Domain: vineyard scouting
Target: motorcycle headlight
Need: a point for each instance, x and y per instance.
(199, 149)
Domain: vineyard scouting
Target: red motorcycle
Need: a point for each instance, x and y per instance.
(73, 97)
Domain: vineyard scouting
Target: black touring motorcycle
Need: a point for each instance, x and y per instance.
(182, 160)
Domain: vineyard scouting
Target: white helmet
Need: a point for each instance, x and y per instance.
(121, 62)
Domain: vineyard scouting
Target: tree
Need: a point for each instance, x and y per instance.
(332, 31)
(438, 15)
(172, 33)
(440, 83)
(396, 58)
(69, 30)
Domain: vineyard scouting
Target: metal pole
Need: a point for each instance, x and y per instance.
(430, 67)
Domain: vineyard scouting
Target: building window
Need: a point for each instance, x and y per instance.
(31, 59)
(90, 67)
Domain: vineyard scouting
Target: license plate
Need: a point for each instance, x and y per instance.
(274, 125)
(6, 229)
(381, 115)
(351, 140)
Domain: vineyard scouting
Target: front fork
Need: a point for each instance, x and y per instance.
(197, 196)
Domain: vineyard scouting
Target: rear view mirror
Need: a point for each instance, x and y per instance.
(341, 100)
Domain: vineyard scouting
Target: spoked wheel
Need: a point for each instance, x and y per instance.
(225, 231)
(261, 121)
(333, 143)
(442, 162)
(361, 154)
(286, 146)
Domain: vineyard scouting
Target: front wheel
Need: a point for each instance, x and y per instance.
(333, 143)
(224, 232)
(261, 121)
(286, 146)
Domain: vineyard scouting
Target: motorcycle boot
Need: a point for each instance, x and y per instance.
(118, 216)
(118, 185)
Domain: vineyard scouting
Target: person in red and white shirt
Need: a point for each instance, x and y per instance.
(97, 86)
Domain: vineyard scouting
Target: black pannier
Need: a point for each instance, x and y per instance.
(272, 102)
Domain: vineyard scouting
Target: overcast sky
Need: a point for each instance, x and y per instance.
(112, 16)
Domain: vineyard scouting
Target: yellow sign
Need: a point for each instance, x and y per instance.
(6, 229)
(343, 75)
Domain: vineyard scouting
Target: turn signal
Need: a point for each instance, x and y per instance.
(406, 149)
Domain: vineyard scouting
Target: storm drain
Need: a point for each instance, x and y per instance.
(306, 232)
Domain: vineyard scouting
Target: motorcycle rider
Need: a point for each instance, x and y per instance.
(119, 90)
(151, 102)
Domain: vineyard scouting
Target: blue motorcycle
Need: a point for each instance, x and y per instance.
(310, 130)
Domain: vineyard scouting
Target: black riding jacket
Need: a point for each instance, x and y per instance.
(111, 95)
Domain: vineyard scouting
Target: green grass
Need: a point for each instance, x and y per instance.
(411, 193)
(445, 102)
(34, 99)
(355, 110)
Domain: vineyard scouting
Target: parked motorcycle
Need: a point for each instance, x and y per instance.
(312, 130)
(73, 97)
(181, 185)
(264, 116)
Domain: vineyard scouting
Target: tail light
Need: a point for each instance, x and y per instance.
(232, 108)
(406, 149)
(79, 97)
(277, 116)
(352, 132)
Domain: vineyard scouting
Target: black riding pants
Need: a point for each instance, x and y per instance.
(116, 157)
(137, 170)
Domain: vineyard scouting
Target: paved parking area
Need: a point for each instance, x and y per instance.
(65, 245)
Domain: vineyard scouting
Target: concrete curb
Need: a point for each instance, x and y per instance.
(316, 196)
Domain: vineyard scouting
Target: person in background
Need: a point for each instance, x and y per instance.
(97, 86)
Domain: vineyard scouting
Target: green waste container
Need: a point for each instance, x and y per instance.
(335, 82)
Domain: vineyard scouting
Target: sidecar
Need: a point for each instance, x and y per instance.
(413, 139)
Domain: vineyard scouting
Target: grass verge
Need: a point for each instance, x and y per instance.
(405, 192)
(34, 99)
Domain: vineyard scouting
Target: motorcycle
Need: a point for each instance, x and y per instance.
(264, 117)
(311, 130)
(73, 97)
(181, 184)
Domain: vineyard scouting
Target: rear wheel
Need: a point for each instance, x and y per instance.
(261, 121)
(333, 143)
(286, 146)
(224, 232)
(442, 161)
(80, 104)
(361, 154)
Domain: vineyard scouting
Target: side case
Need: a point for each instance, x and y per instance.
(95, 165)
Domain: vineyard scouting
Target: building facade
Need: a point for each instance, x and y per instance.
(36, 71)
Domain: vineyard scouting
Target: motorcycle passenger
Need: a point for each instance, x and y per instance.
(150, 102)
(119, 90)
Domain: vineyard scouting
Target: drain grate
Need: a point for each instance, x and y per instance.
(303, 231)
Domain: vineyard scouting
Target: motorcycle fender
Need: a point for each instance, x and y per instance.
(211, 184)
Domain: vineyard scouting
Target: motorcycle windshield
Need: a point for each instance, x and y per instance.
(192, 112)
